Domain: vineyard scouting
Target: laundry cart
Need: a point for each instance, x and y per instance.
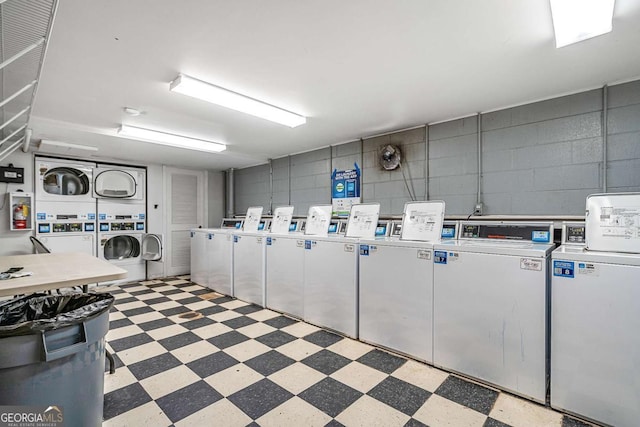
(490, 305)
(595, 316)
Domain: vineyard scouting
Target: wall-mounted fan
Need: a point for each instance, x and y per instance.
(389, 157)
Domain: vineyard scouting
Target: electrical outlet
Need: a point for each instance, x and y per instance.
(478, 209)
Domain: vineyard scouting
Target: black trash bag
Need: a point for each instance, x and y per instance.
(41, 312)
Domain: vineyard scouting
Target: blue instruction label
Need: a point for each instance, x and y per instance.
(41, 216)
(268, 241)
(563, 269)
(307, 244)
(440, 257)
(91, 216)
(210, 236)
(540, 236)
(235, 239)
(364, 250)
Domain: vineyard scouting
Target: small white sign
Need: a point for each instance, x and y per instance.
(424, 254)
(588, 269)
(531, 264)
(349, 247)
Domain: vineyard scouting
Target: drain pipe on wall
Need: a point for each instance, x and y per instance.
(289, 177)
(478, 209)
(605, 135)
(230, 199)
(270, 186)
(426, 162)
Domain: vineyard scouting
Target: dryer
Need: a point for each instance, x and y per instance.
(59, 180)
(119, 183)
(67, 227)
(595, 351)
(491, 305)
(123, 241)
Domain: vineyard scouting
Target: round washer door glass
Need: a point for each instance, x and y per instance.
(121, 247)
(65, 182)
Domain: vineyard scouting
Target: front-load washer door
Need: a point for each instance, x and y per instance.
(120, 247)
(62, 182)
(152, 247)
(118, 184)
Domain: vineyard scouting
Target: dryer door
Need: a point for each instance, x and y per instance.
(118, 184)
(152, 247)
(63, 182)
(120, 247)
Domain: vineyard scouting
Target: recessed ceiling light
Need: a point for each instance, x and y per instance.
(220, 96)
(132, 111)
(578, 20)
(162, 138)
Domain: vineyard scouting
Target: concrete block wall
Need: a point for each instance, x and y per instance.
(541, 158)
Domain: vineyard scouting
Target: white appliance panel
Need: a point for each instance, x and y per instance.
(613, 222)
(331, 284)
(285, 274)
(249, 267)
(219, 249)
(85, 243)
(396, 297)
(490, 319)
(199, 262)
(595, 351)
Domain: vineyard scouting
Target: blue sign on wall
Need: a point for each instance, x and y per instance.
(345, 190)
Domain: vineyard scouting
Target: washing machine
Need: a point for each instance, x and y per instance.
(285, 270)
(331, 271)
(119, 183)
(219, 255)
(396, 289)
(249, 264)
(123, 241)
(67, 227)
(595, 351)
(490, 304)
(199, 260)
(58, 180)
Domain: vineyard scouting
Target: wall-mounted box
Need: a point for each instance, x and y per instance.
(21, 205)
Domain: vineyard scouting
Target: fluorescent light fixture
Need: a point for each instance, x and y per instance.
(47, 144)
(171, 140)
(216, 95)
(578, 20)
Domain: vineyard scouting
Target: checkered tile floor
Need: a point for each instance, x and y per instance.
(189, 357)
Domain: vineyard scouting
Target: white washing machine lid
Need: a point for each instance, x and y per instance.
(396, 242)
(579, 253)
(526, 249)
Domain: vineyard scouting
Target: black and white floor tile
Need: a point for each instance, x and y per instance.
(187, 356)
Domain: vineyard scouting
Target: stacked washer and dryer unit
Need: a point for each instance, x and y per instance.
(95, 208)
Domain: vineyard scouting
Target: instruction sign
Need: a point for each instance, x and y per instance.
(345, 190)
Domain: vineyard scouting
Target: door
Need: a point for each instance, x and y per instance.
(120, 247)
(61, 181)
(152, 247)
(185, 209)
(122, 184)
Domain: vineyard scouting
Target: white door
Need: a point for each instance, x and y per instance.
(185, 208)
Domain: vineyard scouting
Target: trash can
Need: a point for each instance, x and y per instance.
(52, 351)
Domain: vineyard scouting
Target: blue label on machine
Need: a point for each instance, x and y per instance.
(192, 233)
(238, 225)
(235, 239)
(40, 216)
(563, 268)
(210, 236)
(364, 250)
(102, 216)
(440, 257)
(307, 244)
(141, 216)
(448, 232)
(540, 236)
(91, 216)
(268, 241)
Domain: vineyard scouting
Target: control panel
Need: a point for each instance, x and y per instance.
(382, 229)
(449, 230)
(534, 232)
(396, 229)
(65, 223)
(573, 233)
(231, 223)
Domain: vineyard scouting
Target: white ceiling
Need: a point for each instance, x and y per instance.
(354, 68)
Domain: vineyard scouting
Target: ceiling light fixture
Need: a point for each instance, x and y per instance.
(578, 20)
(171, 140)
(217, 95)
